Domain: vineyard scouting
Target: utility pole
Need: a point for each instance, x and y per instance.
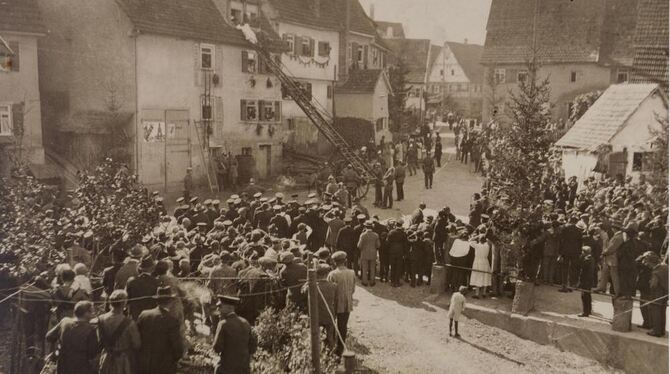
(313, 293)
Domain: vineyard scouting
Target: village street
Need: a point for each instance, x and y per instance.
(397, 330)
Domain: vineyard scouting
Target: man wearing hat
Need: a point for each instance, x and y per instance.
(142, 286)
(346, 240)
(658, 292)
(235, 341)
(291, 275)
(398, 246)
(629, 250)
(335, 223)
(162, 345)
(345, 280)
(129, 268)
(571, 244)
(368, 245)
(428, 167)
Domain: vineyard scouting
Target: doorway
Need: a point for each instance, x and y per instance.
(265, 161)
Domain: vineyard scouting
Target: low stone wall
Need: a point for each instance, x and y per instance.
(618, 350)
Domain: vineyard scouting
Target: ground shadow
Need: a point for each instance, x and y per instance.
(403, 295)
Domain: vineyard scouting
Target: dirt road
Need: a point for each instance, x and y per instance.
(396, 331)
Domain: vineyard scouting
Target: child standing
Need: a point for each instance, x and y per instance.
(456, 308)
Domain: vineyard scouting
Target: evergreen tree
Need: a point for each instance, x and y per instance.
(396, 102)
(522, 164)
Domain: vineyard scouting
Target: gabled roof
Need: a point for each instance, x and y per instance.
(566, 31)
(362, 81)
(469, 57)
(607, 116)
(331, 14)
(396, 27)
(650, 63)
(21, 16)
(189, 19)
(415, 53)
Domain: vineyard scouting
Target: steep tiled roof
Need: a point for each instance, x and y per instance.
(360, 81)
(652, 26)
(397, 27)
(189, 19)
(21, 16)
(469, 57)
(650, 63)
(607, 116)
(414, 53)
(331, 14)
(566, 31)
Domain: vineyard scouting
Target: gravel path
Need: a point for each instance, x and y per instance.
(396, 331)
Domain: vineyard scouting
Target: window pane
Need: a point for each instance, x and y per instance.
(5, 121)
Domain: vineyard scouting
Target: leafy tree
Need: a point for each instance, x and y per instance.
(396, 102)
(658, 162)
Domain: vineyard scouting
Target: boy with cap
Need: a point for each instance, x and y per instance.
(456, 308)
(235, 341)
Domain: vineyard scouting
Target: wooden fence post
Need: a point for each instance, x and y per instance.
(314, 320)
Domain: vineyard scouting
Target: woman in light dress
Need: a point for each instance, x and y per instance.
(480, 278)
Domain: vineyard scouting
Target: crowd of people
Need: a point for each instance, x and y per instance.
(110, 273)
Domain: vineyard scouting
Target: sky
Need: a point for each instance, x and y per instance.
(437, 20)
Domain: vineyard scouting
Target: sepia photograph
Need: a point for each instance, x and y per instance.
(334, 186)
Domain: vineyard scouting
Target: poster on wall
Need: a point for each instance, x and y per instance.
(154, 131)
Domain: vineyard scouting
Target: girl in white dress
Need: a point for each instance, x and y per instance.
(480, 278)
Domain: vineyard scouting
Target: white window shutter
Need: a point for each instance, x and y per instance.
(196, 63)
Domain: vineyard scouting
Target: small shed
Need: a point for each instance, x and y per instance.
(615, 135)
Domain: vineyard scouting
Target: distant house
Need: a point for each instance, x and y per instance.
(167, 82)
(390, 30)
(365, 95)
(416, 55)
(614, 136)
(650, 64)
(21, 26)
(581, 46)
(457, 75)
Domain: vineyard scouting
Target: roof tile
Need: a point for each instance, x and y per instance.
(606, 117)
(21, 16)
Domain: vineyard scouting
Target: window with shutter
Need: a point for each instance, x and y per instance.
(289, 39)
(277, 105)
(365, 57)
(324, 49)
(6, 119)
(196, 65)
(245, 60)
(243, 110)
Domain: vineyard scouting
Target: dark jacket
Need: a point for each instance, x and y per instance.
(162, 344)
(144, 286)
(397, 242)
(571, 240)
(235, 342)
(78, 346)
(346, 239)
(586, 273)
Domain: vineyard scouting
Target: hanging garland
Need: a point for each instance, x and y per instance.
(309, 60)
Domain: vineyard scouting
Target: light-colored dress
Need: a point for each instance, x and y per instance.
(456, 307)
(481, 263)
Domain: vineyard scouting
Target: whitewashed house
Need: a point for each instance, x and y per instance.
(621, 121)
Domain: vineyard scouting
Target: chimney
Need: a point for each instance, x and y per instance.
(372, 11)
(317, 8)
(465, 41)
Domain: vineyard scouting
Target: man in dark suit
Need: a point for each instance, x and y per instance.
(142, 286)
(571, 244)
(234, 341)
(658, 292)
(162, 344)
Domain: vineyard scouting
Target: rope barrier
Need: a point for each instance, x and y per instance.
(143, 297)
(332, 318)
